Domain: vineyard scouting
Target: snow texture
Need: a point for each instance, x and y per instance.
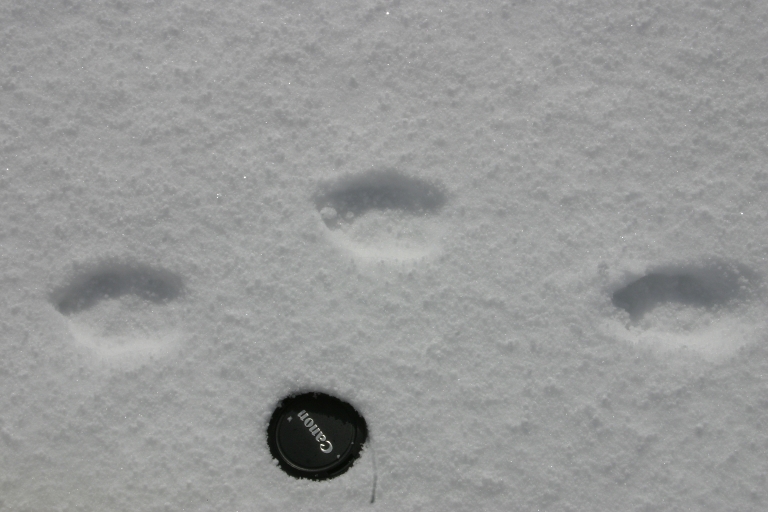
(526, 240)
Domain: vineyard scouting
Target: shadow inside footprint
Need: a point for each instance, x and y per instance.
(115, 281)
(705, 287)
(384, 189)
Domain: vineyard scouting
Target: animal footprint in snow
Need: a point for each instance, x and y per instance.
(383, 215)
(121, 311)
(708, 308)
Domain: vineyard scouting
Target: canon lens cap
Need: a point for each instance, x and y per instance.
(314, 435)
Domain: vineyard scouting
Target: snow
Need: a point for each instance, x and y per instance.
(526, 240)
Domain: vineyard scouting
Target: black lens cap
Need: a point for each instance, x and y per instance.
(314, 435)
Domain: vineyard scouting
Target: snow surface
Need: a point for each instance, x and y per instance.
(526, 240)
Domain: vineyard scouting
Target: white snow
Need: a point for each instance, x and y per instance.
(526, 240)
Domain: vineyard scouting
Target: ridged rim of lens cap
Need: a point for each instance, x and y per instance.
(314, 435)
